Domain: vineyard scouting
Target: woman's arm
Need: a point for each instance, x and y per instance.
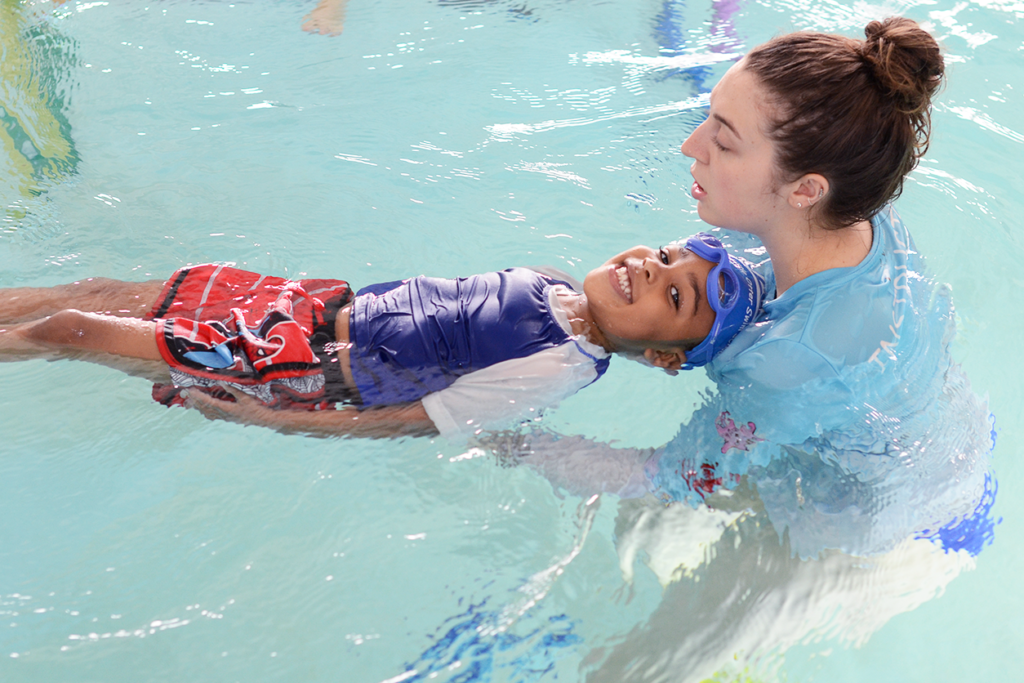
(574, 464)
(407, 419)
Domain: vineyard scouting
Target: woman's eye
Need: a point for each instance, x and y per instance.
(674, 293)
(718, 144)
(663, 255)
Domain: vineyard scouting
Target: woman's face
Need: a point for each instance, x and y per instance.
(733, 167)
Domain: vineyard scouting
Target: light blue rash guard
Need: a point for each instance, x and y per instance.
(841, 404)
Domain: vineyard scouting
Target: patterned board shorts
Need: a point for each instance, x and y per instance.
(266, 336)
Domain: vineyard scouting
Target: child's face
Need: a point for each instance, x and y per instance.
(644, 297)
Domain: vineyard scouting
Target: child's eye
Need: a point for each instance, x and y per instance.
(663, 255)
(674, 293)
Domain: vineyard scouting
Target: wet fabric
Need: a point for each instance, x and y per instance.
(267, 336)
(497, 338)
(843, 405)
(210, 291)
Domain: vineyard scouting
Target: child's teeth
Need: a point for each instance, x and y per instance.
(624, 283)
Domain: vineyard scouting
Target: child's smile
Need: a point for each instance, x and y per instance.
(646, 295)
(621, 275)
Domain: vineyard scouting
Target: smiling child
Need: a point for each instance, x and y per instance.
(415, 356)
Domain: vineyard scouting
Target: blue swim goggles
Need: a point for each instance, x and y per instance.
(734, 292)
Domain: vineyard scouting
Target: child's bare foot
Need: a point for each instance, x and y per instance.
(327, 19)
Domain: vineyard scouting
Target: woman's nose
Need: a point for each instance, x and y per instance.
(691, 146)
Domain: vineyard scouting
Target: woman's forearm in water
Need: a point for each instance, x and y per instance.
(575, 464)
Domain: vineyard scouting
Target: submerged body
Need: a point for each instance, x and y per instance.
(842, 401)
(841, 404)
(841, 472)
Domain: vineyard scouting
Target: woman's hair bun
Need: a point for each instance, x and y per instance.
(905, 60)
(854, 111)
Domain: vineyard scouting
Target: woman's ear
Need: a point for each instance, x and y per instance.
(667, 359)
(808, 191)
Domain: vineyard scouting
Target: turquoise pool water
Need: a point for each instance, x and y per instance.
(141, 543)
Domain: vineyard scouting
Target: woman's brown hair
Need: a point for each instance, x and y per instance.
(855, 111)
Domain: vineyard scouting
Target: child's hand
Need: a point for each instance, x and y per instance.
(244, 409)
(383, 422)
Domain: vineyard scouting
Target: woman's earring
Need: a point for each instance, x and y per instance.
(799, 205)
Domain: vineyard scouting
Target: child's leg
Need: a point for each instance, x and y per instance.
(96, 295)
(72, 330)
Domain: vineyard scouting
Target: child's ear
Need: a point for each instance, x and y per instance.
(667, 359)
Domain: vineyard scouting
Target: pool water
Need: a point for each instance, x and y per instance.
(444, 138)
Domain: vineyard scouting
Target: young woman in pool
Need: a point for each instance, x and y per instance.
(429, 354)
(808, 139)
(846, 376)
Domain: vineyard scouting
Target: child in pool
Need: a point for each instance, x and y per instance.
(427, 354)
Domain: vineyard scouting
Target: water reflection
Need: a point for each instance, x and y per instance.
(751, 597)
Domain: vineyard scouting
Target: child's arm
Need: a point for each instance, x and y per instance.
(407, 419)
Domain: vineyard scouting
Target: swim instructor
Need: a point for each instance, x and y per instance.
(846, 379)
(841, 405)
